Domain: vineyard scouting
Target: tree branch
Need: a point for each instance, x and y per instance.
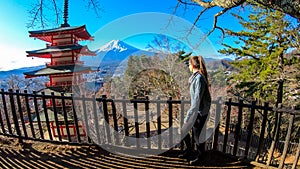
(94, 4)
(216, 22)
(220, 3)
(39, 11)
(196, 20)
(227, 5)
(34, 13)
(186, 3)
(56, 11)
(289, 7)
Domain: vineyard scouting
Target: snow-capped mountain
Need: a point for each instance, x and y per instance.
(116, 46)
(112, 53)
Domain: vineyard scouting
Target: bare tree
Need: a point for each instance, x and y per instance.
(15, 82)
(291, 7)
(40, 10)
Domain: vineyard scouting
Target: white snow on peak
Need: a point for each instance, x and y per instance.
(114, 45)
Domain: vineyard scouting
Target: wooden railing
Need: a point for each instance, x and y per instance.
(240, 129)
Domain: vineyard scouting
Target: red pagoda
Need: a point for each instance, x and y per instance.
(64, 52)
(65, 68)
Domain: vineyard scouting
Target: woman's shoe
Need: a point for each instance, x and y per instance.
(195, 161)
(185, 155)
(199, 159)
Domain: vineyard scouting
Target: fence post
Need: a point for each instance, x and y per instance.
(250, 129)
(136, 121)
(181, 121)
(56, 116)
(287, 140)
(238, 128)
(170, 122)
(65, 116)
(5, 112)
(106, 118)
(227, 124)
(217, 124)
(75, 120)
(21, 113)
(95, 110)
(262, 132)
(277, 126)
(29, 114)
(114, 113)
(2, 123)
(158, 122)
(14, 113)
(297, 156)
(85, 117)
(36, 108)
(46, 116)
(125, 119)
(148, 122)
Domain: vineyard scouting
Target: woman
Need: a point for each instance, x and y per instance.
(200, 105)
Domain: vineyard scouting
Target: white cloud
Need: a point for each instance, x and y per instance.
(13, 57)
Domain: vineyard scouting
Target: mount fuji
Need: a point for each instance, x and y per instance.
(112, 53)
(116, 46)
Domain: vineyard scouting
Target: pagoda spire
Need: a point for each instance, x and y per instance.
(66, 6)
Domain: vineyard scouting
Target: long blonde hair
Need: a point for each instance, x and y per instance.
(198, 63)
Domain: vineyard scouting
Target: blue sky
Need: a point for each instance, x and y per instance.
(15, 40)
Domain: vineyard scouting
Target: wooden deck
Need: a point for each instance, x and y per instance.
(46, 155)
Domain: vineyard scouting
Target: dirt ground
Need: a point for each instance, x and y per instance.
(33, 154)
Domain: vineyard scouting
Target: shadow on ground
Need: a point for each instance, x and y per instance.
(46, 155)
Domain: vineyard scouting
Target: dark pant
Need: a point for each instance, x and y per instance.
(196, 131)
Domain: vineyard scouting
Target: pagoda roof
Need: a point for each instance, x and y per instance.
(53, 49)
(56, 70)
(46, 35)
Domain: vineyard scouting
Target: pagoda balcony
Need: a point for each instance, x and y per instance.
(66, 83)
(58, 84)
(64, 63)
(61, 44)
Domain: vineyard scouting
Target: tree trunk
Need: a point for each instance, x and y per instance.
(280, 89)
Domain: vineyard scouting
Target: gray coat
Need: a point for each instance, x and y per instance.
(200, 97)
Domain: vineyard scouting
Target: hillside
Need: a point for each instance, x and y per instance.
(16, 79)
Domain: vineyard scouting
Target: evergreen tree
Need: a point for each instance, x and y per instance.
(260, 51)
(183, 56)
